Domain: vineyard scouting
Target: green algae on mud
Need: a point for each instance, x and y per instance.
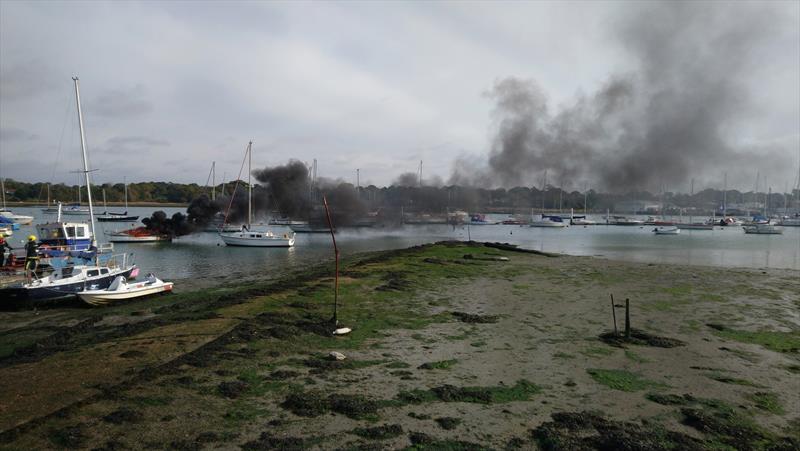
(788, 342)
(621, 379)
(268, 369)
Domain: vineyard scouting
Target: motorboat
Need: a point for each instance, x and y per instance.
(18, 219)
(120, 289)
(136, 235)
(74, 210)
(479, 219)
(68, 280)
(624, 221)
(251, 238)
(549, 221)
(8, 224)
(793, 221)
(667, 230)
(762, 229)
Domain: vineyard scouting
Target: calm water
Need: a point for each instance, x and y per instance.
(203, 259)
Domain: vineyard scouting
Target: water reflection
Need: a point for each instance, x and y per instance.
(202, 259)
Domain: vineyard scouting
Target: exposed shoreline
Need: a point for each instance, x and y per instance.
(244, 366)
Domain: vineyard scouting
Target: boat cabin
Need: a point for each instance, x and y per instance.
(68, 236)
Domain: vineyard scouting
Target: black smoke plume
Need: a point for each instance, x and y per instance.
(668, 121)
(175, 226)
(287, 189)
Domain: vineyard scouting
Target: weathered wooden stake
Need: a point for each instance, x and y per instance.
(614, 314)
(627, 318)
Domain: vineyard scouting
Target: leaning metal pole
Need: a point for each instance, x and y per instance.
(336, 253)
(85, 161)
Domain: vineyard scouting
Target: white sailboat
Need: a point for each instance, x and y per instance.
(250, 238)
(8, 214)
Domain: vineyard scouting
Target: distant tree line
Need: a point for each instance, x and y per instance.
(424, 198)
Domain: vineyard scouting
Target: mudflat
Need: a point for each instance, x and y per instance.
(453, 346)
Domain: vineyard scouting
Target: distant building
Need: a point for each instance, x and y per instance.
(637, 206)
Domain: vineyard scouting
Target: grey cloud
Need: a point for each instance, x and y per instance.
(122, 103)
(137, 141)
(25, 79)
(12, 134)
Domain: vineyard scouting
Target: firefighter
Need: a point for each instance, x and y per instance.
(3, 246)
(31, 256)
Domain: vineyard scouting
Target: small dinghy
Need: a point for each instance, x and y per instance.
(121, 289)
(670, 230)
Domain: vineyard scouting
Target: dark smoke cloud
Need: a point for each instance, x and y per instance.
(287, 187)
(662, 124)
(410, 179)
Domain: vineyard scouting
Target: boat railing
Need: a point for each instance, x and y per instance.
(120, 260)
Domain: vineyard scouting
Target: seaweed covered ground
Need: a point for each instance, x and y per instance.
(455, 346)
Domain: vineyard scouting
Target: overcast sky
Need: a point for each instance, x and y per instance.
(169, 87)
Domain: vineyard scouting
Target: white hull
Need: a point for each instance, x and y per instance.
(548, 224)
(583, 222)
(791, 222)
(19, 219)
(120, 290)
(762, 229)
(135, 239)
(257, 239)
(667, 231)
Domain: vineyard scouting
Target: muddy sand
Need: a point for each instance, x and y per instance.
(454, 346)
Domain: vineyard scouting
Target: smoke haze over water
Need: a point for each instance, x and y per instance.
(676, 116)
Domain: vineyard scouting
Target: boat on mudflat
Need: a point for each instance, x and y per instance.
(120, 289)
(67, 281)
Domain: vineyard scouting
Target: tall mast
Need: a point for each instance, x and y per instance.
(85, 161)
(3, 189)
(125, 183)
(249, 185)
(213, 180)
(544, 186)
(725, 197)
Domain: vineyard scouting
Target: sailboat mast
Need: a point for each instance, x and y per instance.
(85, 161)
(725, 197)
(125, 182)
(3, 189)
(249, 185)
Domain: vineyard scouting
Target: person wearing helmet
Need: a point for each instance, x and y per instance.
(31, 256)
(3, 246)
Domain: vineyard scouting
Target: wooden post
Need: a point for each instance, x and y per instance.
(627, 318)
(335, 319)
(614, 314)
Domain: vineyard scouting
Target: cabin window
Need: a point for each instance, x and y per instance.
(92, 273)
(67, 271)
(104, 271)
(258, 236)
(81, 232)
(70, 232)
(56, 234)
